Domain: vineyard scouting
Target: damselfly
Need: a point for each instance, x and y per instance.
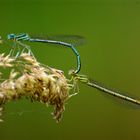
(26, 37)
(94, 84)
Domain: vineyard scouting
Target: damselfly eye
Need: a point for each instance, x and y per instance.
(11, 36)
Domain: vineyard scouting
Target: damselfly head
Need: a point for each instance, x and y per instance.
(18, 37)
(11, 36)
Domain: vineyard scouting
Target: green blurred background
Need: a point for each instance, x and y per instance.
(110, 55)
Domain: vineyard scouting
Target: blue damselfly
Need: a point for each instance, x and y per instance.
(25, 37)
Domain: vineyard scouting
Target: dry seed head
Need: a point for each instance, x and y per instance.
(28, 58)
(2, 98)
(6, 61)
(13, 74)
(7, 88)
(24, 85)
(39, 83)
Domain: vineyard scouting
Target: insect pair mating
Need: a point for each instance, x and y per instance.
(18, 39)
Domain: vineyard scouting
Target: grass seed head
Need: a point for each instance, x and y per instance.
(35, 81)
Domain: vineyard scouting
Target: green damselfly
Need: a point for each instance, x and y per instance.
(92, 83)
(25, 37)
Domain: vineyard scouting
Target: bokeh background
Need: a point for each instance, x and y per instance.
(111, 55)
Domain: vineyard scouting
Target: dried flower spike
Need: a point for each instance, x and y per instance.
(35, 81)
